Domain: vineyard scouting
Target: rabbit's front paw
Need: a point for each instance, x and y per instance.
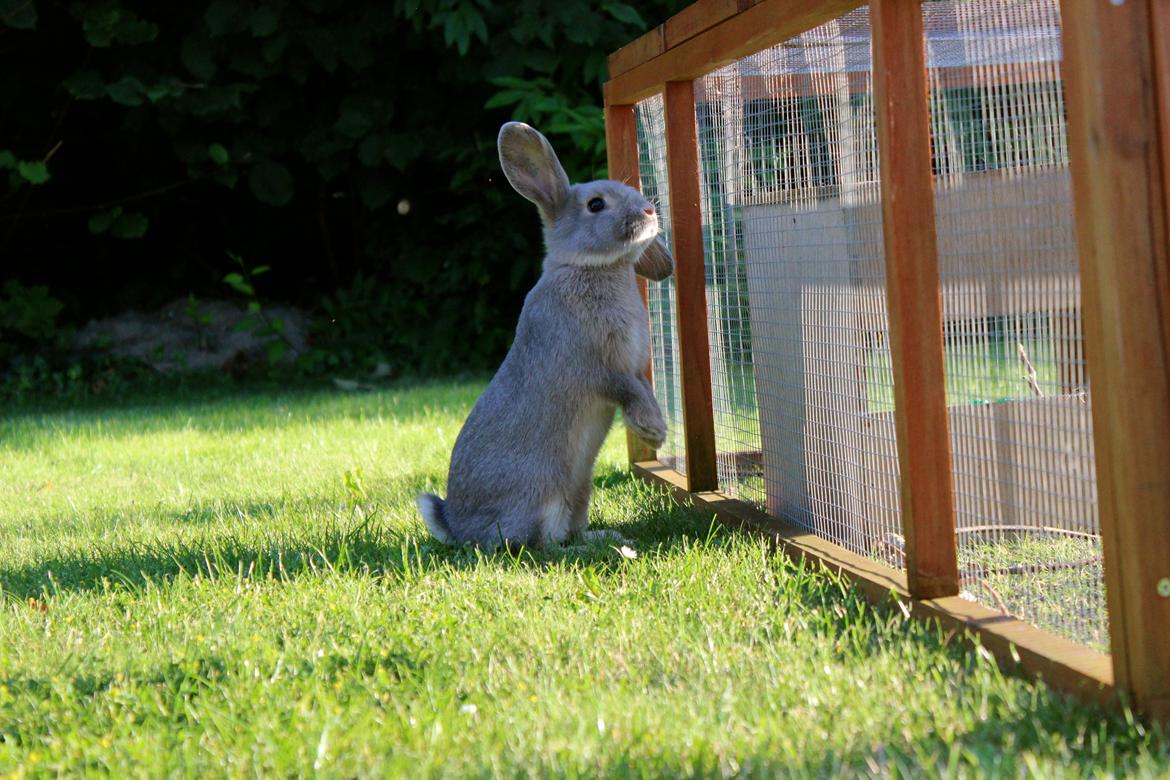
(648, 425)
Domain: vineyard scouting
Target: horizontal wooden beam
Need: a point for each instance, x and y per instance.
(686, 24)
(745, 32)
(1017, 646)
(637, 51)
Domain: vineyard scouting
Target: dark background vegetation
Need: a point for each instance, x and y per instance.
(149, 150)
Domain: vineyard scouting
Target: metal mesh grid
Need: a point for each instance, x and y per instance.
(650, 119)
(795, 286)
(1021, 436)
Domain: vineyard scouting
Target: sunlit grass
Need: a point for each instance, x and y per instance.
(974, 374)
(240, 585)
(1053, 580)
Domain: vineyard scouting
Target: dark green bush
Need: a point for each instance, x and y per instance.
(347, 145)
(28, 313)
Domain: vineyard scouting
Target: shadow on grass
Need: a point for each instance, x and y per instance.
(1098, 742)
(612, 478)
(369, 543)
(993, 744)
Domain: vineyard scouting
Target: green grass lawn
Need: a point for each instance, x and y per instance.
(197, 589)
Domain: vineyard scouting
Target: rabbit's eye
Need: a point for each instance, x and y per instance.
(595, 205)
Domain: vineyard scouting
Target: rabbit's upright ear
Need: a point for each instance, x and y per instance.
(532, 167)
(656, 262)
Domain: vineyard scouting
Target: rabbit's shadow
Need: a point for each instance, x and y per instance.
(656, 525)
(646, 518)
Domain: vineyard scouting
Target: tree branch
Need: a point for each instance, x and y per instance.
(146, 195)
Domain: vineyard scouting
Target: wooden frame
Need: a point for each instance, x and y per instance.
(1117, 122)
(761, 25)
(686, 219)
(915, 303)
(1117, 77)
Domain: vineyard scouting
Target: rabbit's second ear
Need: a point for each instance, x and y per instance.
(656, 262)
(532, 167)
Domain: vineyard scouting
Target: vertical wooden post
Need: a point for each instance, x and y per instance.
(621, 148)
(1160, 31)
(1119, 193)
(912, 288)
(686, 228)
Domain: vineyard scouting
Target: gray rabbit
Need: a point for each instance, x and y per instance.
(522, 468)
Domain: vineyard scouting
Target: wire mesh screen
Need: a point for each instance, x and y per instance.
(795, 286)
(1021, 436)
(650, 119)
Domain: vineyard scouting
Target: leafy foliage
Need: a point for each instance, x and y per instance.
(118, 223)
(347, 145)
(39, 360)
(257, 321)
(28, 312)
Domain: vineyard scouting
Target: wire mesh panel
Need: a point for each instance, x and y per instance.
(1021, 436)
(795, 286)
(650, 118)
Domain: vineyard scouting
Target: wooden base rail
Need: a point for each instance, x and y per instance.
(1016, 645)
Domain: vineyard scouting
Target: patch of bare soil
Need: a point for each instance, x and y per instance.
(211, 335)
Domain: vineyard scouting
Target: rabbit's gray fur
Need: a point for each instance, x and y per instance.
(522, 468)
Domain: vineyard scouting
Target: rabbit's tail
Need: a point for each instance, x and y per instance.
(434, 511)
